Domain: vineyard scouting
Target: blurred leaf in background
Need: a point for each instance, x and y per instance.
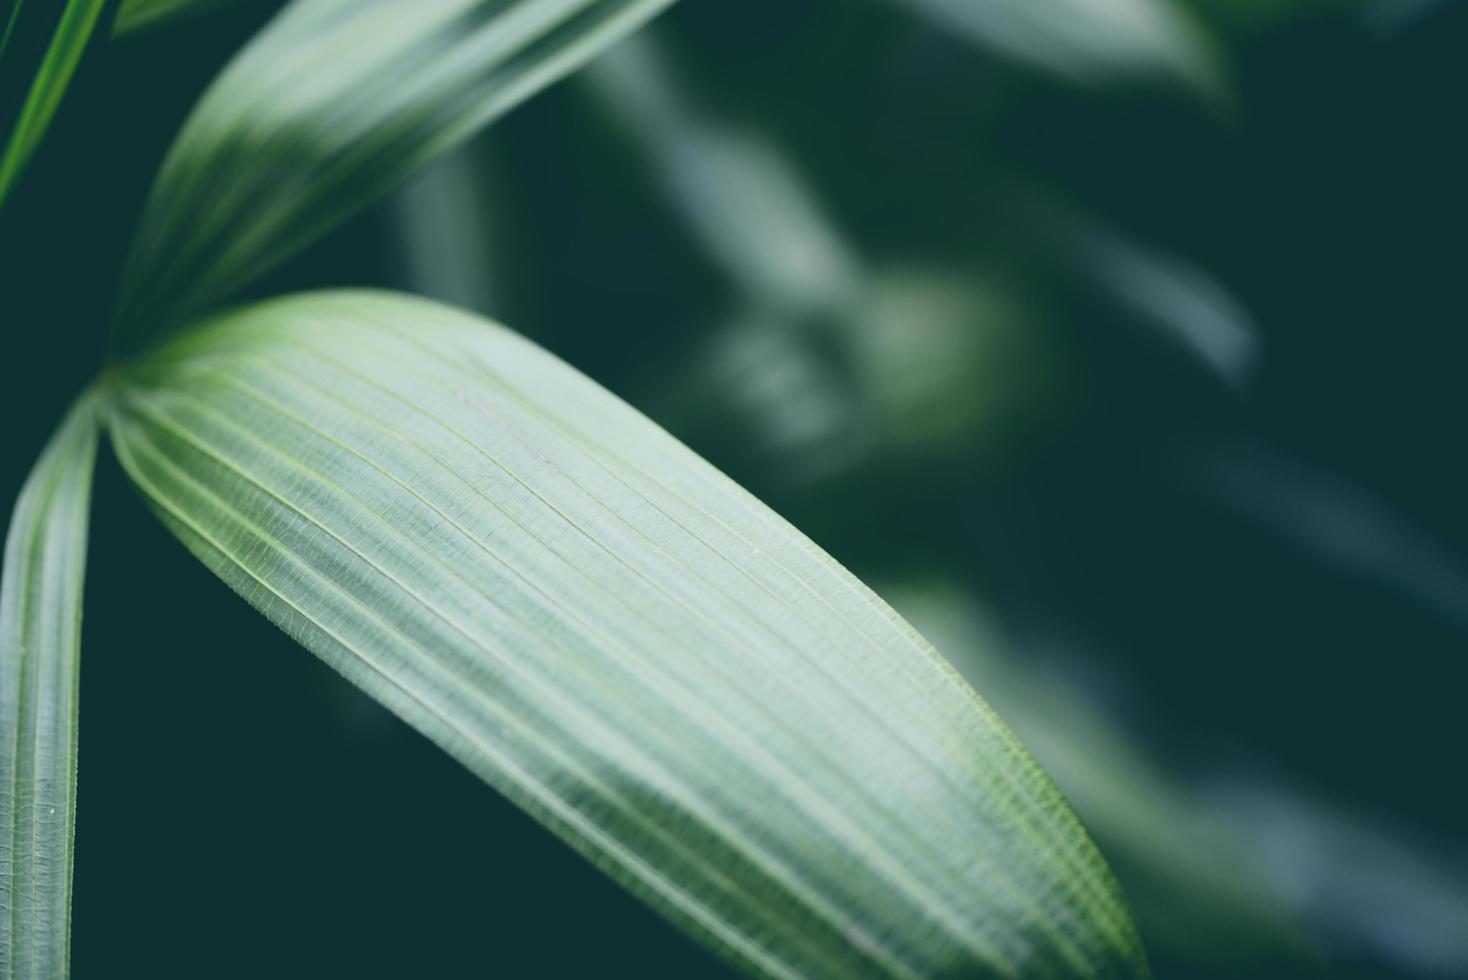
(1229, 872)
(1087, 41)
(825, 366)
(1202, 893)
(448, 239)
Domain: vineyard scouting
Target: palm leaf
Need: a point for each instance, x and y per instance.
(40, 632)
(625, 643)
(39, 52)
(334, 104)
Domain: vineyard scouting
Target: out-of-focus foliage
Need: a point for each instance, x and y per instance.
(1196, 883)
(448, 243)
(1228, 868)
(1356, 880)
(1086, 41)
(826, 366)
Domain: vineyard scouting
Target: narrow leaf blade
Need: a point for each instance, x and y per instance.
(40, 633)
(624, 642)
(334, 104)
(38, 83)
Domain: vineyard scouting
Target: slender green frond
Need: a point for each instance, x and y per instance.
(40, 634)
(135, 15)
(60, 50)
(611, 632)
(335, 103)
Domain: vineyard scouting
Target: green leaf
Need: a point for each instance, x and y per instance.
(624, 642)
(136, 15)
(334, 104)
(739, 194)
(40, 633)
(58, 43)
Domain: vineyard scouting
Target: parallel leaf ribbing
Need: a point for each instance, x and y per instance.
(335, 103)
(620, 639)
(40, 633)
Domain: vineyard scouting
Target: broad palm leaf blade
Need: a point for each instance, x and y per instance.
(334, 104)
(624, 642)
(40, 633)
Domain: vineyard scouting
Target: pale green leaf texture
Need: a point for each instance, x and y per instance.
(619, 638)
(1087, 41)
(333, 104)
(53, 74)
(40, 633)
